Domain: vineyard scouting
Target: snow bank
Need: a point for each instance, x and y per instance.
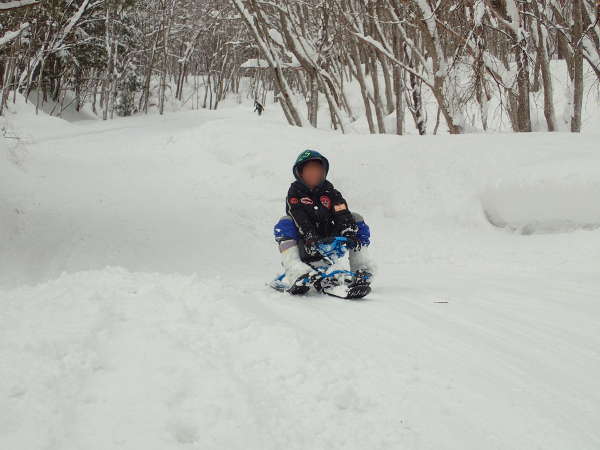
(558, 196)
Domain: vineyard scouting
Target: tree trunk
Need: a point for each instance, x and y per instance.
(313, 101)
(376, 94)
(523, 109)
(355, 58)
(577, 36)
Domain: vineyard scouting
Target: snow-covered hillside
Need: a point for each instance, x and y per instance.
(134, 312)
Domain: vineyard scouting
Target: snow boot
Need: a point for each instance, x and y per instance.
(360, 261)
(296, 271)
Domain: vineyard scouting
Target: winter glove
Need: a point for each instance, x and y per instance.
(310, 245)
(353, 241)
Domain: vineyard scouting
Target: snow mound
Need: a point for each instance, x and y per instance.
(551, 197)
(153, 361)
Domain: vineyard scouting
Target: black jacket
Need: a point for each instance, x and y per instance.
(320, 212)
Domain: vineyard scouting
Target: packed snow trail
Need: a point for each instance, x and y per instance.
(134, 312)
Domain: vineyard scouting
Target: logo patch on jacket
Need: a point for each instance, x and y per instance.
(325, 201)
(306, 201)
(340, 207)
(294, 201)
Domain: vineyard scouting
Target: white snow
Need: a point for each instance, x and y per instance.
(554, 196)
(6, 5)
(255, 62)
(134, 312)
(11, 35)
(276, 36)
(592, 51)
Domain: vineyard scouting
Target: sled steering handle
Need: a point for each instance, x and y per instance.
(331, 239)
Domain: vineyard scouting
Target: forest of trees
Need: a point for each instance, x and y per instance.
(125, 56)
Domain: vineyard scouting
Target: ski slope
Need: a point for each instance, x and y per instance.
(134, 312)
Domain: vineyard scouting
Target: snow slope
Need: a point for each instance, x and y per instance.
(133, 311)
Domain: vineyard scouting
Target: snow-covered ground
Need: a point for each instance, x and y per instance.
(134, 312)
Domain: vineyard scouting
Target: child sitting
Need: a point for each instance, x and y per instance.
(316, 210)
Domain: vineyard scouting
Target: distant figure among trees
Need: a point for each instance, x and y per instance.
(258, 107)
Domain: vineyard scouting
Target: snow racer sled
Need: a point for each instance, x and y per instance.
(327, 277)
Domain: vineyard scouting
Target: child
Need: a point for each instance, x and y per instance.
(315, 210)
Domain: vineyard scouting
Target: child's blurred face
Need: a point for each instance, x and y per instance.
(313, 173)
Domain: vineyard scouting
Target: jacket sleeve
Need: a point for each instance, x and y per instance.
(341, 214)
(296, 211)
